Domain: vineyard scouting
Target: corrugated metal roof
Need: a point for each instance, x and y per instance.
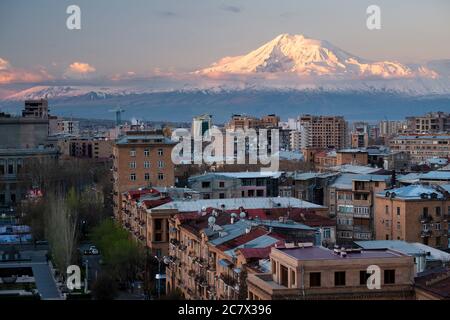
(236, 203)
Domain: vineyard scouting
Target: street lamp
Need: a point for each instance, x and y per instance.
(158, 276)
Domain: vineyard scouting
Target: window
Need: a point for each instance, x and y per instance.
(260, 193)
(251, 193)
(425, 211)
(222, 195)
(363, 276)
(146, 152)
(158, 224)
(438, 211)
(160, 152)
(326, 233)
(398, 225)
(339, 278)
(147, 176)
(206, 184)
(10, 168)
(146, 164)
(133, 177)
(133, 165)
(160, 176)
(386, 209)
(158, 237)
(158, 253)
(389, 276)
(221, 184)
(398, 211)
(206, 196)
(438, 241)
(438, 226)
(160, 164)
(315, 279)
(2, 170)
(293, 278)
(132, 153)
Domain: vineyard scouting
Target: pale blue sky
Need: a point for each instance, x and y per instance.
(140, 35)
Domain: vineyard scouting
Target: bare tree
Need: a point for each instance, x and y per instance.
(61, 227)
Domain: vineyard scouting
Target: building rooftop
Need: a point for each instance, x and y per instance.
(321, 253)
(413, 192)
(414, 249)
(345, 180)
(147, 138)
(312, 175)
(416, 137)
(242, 175)
(237, 203)
(349, 168)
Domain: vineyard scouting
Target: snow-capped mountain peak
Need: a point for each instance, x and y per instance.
(304, 56)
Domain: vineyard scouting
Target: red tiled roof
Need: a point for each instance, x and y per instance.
(236, 242)
(136, 194)
(149, 204)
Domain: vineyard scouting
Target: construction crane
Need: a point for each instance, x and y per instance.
(118, 110)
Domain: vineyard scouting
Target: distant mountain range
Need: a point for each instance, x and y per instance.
(290, 74)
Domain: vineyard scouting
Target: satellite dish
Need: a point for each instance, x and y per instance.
(211, 221)
(242, 215)
(234, 215)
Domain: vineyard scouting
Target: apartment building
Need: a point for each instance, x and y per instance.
(414, 213)
(390, 128)
(141, 158)
(421, 147)
(239, 121)
(85, 147)
(221, 185)
(209, 251)
(324, 131)
(351, 201)
(309, 272)
(432, 122)
(146, 225)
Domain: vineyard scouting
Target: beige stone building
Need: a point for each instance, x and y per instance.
(141, 158)
(422, 147)
(310, 272)
(414, 213)
(324, 131)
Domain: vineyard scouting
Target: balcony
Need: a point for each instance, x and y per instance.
(425, 233)
(425, 218)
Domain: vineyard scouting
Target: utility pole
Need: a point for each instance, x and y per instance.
(86, 277)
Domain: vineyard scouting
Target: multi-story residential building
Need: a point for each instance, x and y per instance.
(326, 160)
(421, 147)
(141, 158)
(381, 157)
(221, 185)
(310, 272)
(352, 203)
(432, 122)
(68, 127)
(239, 121)
(209, 250)
(414, 213)
(85, 147)
(147, 226)
(324, 131)
(390, 128)
(312, 186)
